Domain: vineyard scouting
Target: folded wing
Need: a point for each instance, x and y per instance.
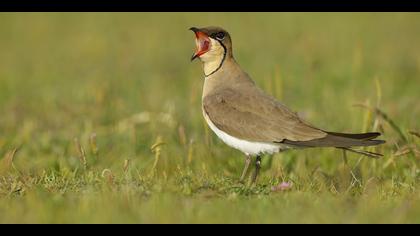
(255, 116)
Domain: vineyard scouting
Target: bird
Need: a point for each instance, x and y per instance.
(246, 118)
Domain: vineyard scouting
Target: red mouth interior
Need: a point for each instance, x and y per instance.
(202, 42)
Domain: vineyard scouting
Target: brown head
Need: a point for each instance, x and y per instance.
(213, 47)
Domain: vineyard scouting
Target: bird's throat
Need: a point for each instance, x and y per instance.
(212, 66)
(214, 59)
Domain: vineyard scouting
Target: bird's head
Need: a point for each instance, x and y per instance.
(213, 44)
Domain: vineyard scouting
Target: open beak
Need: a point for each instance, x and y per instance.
(202, 42)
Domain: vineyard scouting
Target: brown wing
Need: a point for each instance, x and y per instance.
(265, 119)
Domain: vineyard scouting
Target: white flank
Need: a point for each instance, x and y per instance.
(249, 148)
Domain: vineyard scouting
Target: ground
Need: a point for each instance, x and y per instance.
(101, 118)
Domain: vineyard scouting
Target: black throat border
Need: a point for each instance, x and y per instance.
(223, 59)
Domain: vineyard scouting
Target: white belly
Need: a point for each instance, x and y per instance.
(248, 147)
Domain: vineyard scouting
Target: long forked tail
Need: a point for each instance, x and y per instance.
(343, 141)
(362, 152)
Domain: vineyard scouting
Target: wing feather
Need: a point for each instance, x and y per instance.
(266, 119)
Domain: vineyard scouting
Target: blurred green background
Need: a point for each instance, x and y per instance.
(123, 86)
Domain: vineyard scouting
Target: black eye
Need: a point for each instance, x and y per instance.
(220, 35)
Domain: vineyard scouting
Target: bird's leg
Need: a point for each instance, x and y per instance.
(245, 171)
(257, 169)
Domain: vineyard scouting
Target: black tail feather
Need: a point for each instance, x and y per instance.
(340, 140)
(363, 136)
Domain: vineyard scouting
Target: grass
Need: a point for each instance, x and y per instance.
(101, 118)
